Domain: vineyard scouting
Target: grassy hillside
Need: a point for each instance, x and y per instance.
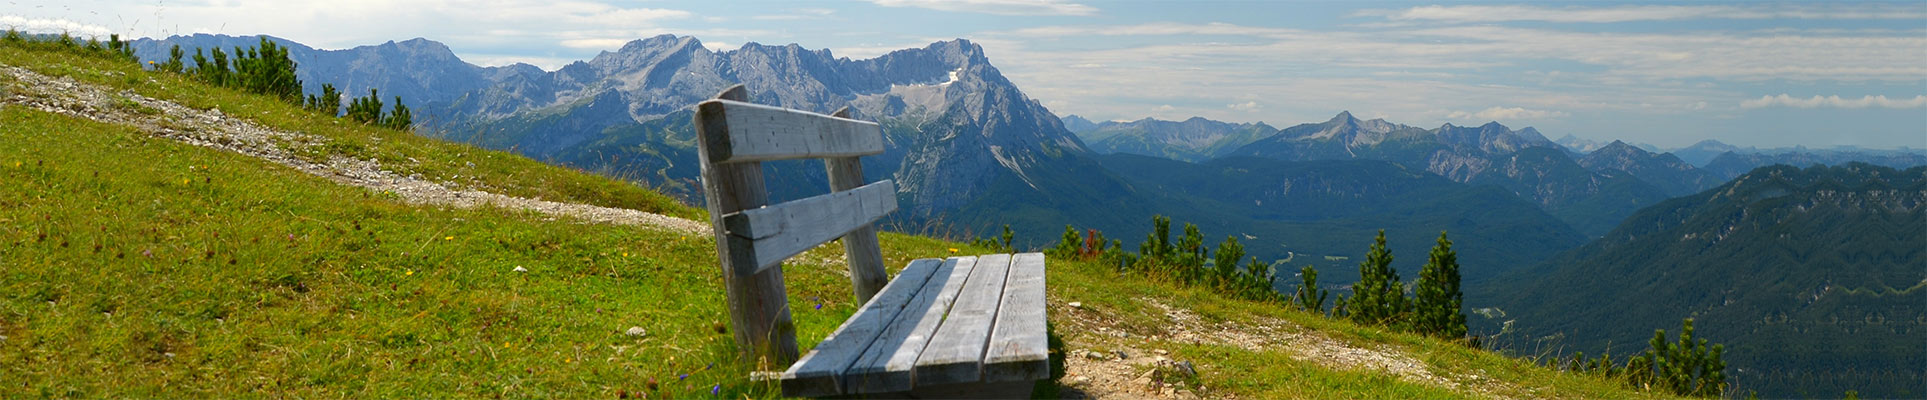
(139, 266)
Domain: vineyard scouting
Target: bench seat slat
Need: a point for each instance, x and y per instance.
(886, 366)
(956, 353)
(779, 231)
(817, 373)
(1019, 349)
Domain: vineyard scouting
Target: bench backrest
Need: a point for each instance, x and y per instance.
(753, 237)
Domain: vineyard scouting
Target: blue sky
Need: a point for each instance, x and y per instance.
(1669, 74)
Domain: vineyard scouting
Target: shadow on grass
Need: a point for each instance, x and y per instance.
(1051, 388)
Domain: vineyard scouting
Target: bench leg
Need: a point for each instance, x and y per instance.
(759, 315)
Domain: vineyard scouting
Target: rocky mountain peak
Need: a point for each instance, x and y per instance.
(421, 45)
(642, 53)
(959, 51)
(1343, 117)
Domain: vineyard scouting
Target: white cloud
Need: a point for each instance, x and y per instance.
(997, 7)
(1882, 101)
(1505, 113)
(52, 26)
(1157, 29)
(1163, 109)
(796, 14)
(1483, 13)
(595, 43)
(1248, 106)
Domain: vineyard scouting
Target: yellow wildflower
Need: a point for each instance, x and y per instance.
(449, 238)
(953, 249)
(409, 273)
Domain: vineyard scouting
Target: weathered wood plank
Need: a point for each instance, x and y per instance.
(818, 373)
(886, 366)
(860, 247)
(783, 230)
(1019, 350)
(956, 353)
(759, 312)
(756, 132)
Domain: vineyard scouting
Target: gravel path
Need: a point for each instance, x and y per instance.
(212, 128)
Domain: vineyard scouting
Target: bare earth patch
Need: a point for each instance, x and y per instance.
(212, 128)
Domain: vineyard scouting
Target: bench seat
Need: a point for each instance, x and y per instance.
(940, 323)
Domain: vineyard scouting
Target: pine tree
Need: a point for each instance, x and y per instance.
(1157, 244)
(1261, 272)
(1438, 298)
(1008, 235)
(1068, 246)
(1379, 296)
(366, 110)
(1309, 297)
(1191, 256)
(173, 63)
(327, 103)
(401, 119)
(1230, 252)
(1688, 367)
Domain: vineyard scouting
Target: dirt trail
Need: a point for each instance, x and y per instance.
(1111, 361)
(212, 128)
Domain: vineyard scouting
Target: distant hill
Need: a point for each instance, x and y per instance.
(1314, 212)
(1195, 140)
(1663, 170)
(1521, 161)
(1703, 152)
(1812, 278)
(1078, 125)
(1732, 164)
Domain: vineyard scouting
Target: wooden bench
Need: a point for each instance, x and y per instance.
(967, 326)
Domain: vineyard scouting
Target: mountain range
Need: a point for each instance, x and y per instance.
(969, 151)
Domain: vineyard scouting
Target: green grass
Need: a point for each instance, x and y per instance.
(133, 266)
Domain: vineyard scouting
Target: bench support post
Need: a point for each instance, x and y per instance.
(860, 248)
(759, 312)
